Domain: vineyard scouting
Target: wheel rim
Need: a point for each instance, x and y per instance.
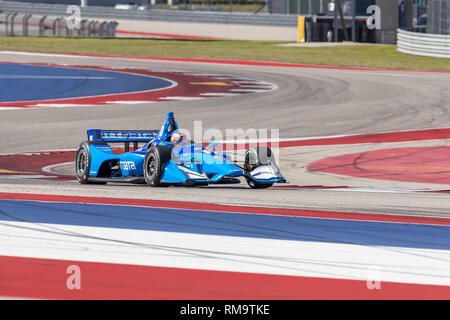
(151, 166)
(81, 163)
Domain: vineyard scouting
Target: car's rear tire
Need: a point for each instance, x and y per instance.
(255, 157)
(154, 162)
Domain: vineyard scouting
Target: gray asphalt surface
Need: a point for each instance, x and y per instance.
(308, 103)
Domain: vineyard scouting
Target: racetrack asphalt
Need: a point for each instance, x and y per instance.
(308, 103)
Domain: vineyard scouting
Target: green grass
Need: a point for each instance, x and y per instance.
(378, 56)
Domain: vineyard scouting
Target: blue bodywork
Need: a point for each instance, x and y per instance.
(190, 163)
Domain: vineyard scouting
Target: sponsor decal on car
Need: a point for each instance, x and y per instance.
(127, 165)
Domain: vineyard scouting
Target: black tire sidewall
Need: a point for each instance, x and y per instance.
(258, 185)
(160, 154)
(262, 155)
(155, 179)
(84, 176)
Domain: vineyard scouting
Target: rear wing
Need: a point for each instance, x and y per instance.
(124, 136)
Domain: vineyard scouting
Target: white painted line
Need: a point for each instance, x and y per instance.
(44, 54)
(252, 82)
(256, 87)
(129, 102)
(380, 190)
(242, 79)
(55, 105)
(182, 98)
(24, 176)
(248, 90)
(220, 94)
(11, 108)
(203, 74)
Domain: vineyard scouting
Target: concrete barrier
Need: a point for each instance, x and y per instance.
(423, 44)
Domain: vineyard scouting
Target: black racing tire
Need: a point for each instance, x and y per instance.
(154, 162)
(258, 185)
(83, 164)
(255, 157)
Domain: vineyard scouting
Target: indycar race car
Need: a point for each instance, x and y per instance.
(167, 158)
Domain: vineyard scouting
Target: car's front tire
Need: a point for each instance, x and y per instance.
(255, 157)
(154, 162)
(83, 164)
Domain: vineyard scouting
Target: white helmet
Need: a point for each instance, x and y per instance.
(177, 138)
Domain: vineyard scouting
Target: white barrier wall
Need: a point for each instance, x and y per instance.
(221, 31)
(423, 44)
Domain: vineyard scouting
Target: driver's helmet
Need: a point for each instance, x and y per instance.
(177, 138)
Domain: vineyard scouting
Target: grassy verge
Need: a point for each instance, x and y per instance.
(377, 56)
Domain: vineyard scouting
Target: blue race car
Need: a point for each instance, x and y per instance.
(167, 158)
